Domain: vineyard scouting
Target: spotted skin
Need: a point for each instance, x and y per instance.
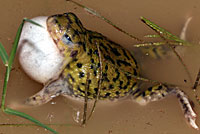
(116, 60)
(89, 56)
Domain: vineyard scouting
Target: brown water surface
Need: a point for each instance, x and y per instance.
(124, 117)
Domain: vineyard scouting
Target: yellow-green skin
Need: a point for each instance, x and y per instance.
(87, 53)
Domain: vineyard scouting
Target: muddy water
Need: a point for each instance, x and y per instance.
(163, 117)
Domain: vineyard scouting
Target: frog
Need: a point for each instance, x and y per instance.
(94, 66)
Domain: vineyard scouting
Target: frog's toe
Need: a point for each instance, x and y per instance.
(191, 118)
(189, 113)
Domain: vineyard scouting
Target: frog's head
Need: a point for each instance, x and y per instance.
(67, 32)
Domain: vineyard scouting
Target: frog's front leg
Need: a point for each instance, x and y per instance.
(49, 91)
(158, 92)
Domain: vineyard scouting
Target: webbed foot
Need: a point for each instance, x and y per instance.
(158, 92)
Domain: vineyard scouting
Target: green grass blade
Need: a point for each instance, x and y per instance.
(3, 54)
(164, 34)
(152, 36)
(32, 124)
(6, 78)
(33, 22)
(148, 44)
(15, 45)
(8, 69)
(105, 19)
(163, 31)
(23, 115)
(10, 61)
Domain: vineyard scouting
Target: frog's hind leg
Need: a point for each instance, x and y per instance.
(158, 92)
(49, 91)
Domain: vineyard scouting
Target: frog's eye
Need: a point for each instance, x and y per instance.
(67, 40)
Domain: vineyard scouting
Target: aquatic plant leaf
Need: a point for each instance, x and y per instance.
(23, 115)
(3, 54)
(8, 70)
(152, 36)
(166, 34)
(105, 19)
(15, 44)
(33, 22)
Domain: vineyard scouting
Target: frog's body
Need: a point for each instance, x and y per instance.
(106, 67)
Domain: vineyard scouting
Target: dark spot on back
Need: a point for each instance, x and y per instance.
(81, 74)
(107, 57)
(117, 92)
(111, 86)
(90, 52)
(114, 50)
(128, 77)
(96, 52)
(84, 45)
(89, 81)
(79, 65)
(96, 90)
(121, 82)
(92, 60)
(68, 66)
(125, 87)
(98, 65)
(105, 48)
(107, 94)
(104, 88)
(106, 67)
(88, 93)
(95, 73)
(125, 54)
(119, 62)
(105, 78)
(117, 77)
(91, 67)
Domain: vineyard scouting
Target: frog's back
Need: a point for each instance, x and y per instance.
(117, 66)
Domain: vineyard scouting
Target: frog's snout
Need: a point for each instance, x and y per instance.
(35, 100)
